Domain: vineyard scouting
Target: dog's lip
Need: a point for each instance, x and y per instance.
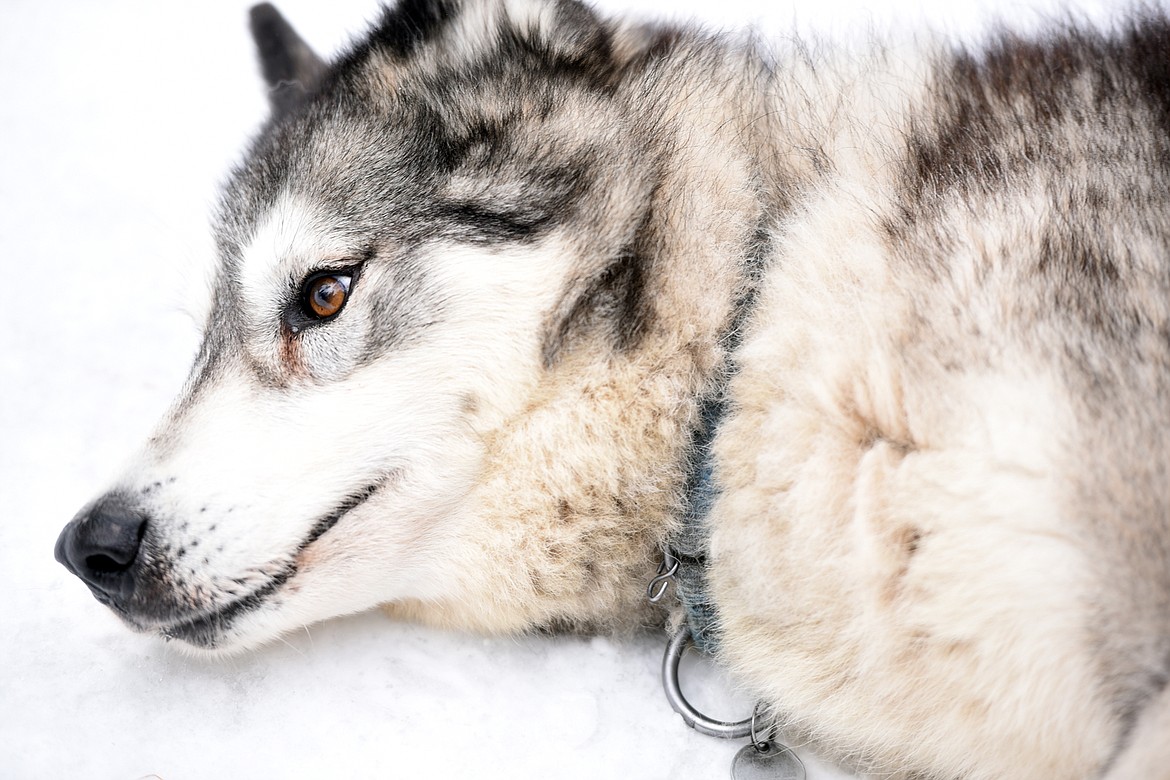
(205, 630)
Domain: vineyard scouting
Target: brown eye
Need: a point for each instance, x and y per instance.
(324, 294)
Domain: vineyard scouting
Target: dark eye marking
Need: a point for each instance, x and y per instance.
(519, 207)
(479, 223)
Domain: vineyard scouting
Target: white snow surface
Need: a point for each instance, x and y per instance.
(118, 121)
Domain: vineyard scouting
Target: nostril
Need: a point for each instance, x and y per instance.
(110, 540)
(101, 545)
(103, 564)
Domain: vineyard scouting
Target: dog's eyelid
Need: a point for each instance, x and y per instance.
(350, 268)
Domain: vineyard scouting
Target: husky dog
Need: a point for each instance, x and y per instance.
(509, 291)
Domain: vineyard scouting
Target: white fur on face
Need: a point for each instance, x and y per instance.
(256, 466)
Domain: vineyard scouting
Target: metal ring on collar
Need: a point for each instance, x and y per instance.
(692, 717)
(769, 735)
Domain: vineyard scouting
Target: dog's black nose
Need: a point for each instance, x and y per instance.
(100, 546)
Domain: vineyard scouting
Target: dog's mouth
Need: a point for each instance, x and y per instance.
(206, 631)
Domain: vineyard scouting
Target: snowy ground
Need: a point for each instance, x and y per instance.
(118, 118)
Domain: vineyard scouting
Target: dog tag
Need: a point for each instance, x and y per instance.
(766, 761)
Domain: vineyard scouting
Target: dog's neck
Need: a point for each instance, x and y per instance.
(581, 489)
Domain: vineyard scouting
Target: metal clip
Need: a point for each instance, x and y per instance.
(666, 571)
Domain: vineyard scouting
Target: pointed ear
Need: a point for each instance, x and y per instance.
(290, 67)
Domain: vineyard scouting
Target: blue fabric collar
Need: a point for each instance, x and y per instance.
(689, 544)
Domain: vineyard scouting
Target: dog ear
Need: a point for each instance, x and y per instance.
(577, 35)
(290, 67)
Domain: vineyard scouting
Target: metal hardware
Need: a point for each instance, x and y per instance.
(766, 761)
(757, 740)
(666, 571)
(691, 716)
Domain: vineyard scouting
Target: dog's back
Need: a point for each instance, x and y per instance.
(950, 459)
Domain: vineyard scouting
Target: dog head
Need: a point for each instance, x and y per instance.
(415, 236)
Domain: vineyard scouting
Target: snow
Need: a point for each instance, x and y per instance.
(118, 119)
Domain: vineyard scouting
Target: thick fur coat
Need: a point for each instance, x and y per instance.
(931, 284)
